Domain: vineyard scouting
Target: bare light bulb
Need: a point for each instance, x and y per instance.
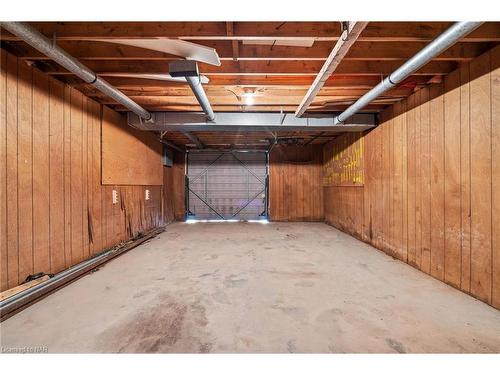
(249, 99)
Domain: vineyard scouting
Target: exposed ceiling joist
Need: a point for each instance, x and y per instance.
(193, 138)
(234, 43)
(326, 31)
(250, 68)
(93, 50)
(348, 38)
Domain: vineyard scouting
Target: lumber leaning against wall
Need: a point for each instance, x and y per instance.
(431, 192)
(54, 212)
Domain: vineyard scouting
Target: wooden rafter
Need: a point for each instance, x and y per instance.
(242, 68)
(234, 43)
(320, 31)
(389, 51)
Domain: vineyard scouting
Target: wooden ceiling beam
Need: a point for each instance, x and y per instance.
(327, 31)
(283, 68)
(237, 91)
(253, 108)
(256, 81)
(227, 50)
(264, 100)
(234, 43)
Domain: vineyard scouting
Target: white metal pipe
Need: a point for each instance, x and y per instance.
(433, 49)
(43, 44)
(201, 96)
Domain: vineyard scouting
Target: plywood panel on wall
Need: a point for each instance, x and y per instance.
(295, 186)
(54, 212)
(129, 156)
(430, 196)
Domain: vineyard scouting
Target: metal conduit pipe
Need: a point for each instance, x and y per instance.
(43, 44)
(433, 49)
(17, 301)
(201, 96)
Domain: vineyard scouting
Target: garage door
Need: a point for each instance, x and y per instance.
(230, 185)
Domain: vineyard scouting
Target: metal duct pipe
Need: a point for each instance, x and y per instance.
(50, 49)
(201, 96)
(433, 49)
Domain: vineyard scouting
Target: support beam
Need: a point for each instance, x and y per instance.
(234, 43)
(348, 38)
(256, 68)
(388, 51)
(251, 122)
(193, 138)
(195, 31)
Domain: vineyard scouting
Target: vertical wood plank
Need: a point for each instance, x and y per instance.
(397, 197)
(425, 131)
(437, 181)
(404, 183)
(67, 177)
(96, 179)
(56, 178)
(85, 180)
(465, 176)
(12, 172)
(4, 280)
(76, 177)
(480, 139)
(418, 181)
(452, 255)
(384, 203)
(390, 212)
(411, 178)
(25, 170)
(41, 193)
(495, 182)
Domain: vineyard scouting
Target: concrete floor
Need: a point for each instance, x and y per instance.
(249, 287)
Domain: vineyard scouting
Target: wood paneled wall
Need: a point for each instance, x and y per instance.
(54, 212)
(295, 190)
(344, 208)
(174, 188)
(432, 181)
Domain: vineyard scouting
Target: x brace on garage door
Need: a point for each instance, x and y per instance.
(227, 185)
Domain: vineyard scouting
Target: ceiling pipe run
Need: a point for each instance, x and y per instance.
(201, 96)
(433, 49)
(46, 46)
(188, 69)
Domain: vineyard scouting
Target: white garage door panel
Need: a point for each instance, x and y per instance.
(227, 185)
